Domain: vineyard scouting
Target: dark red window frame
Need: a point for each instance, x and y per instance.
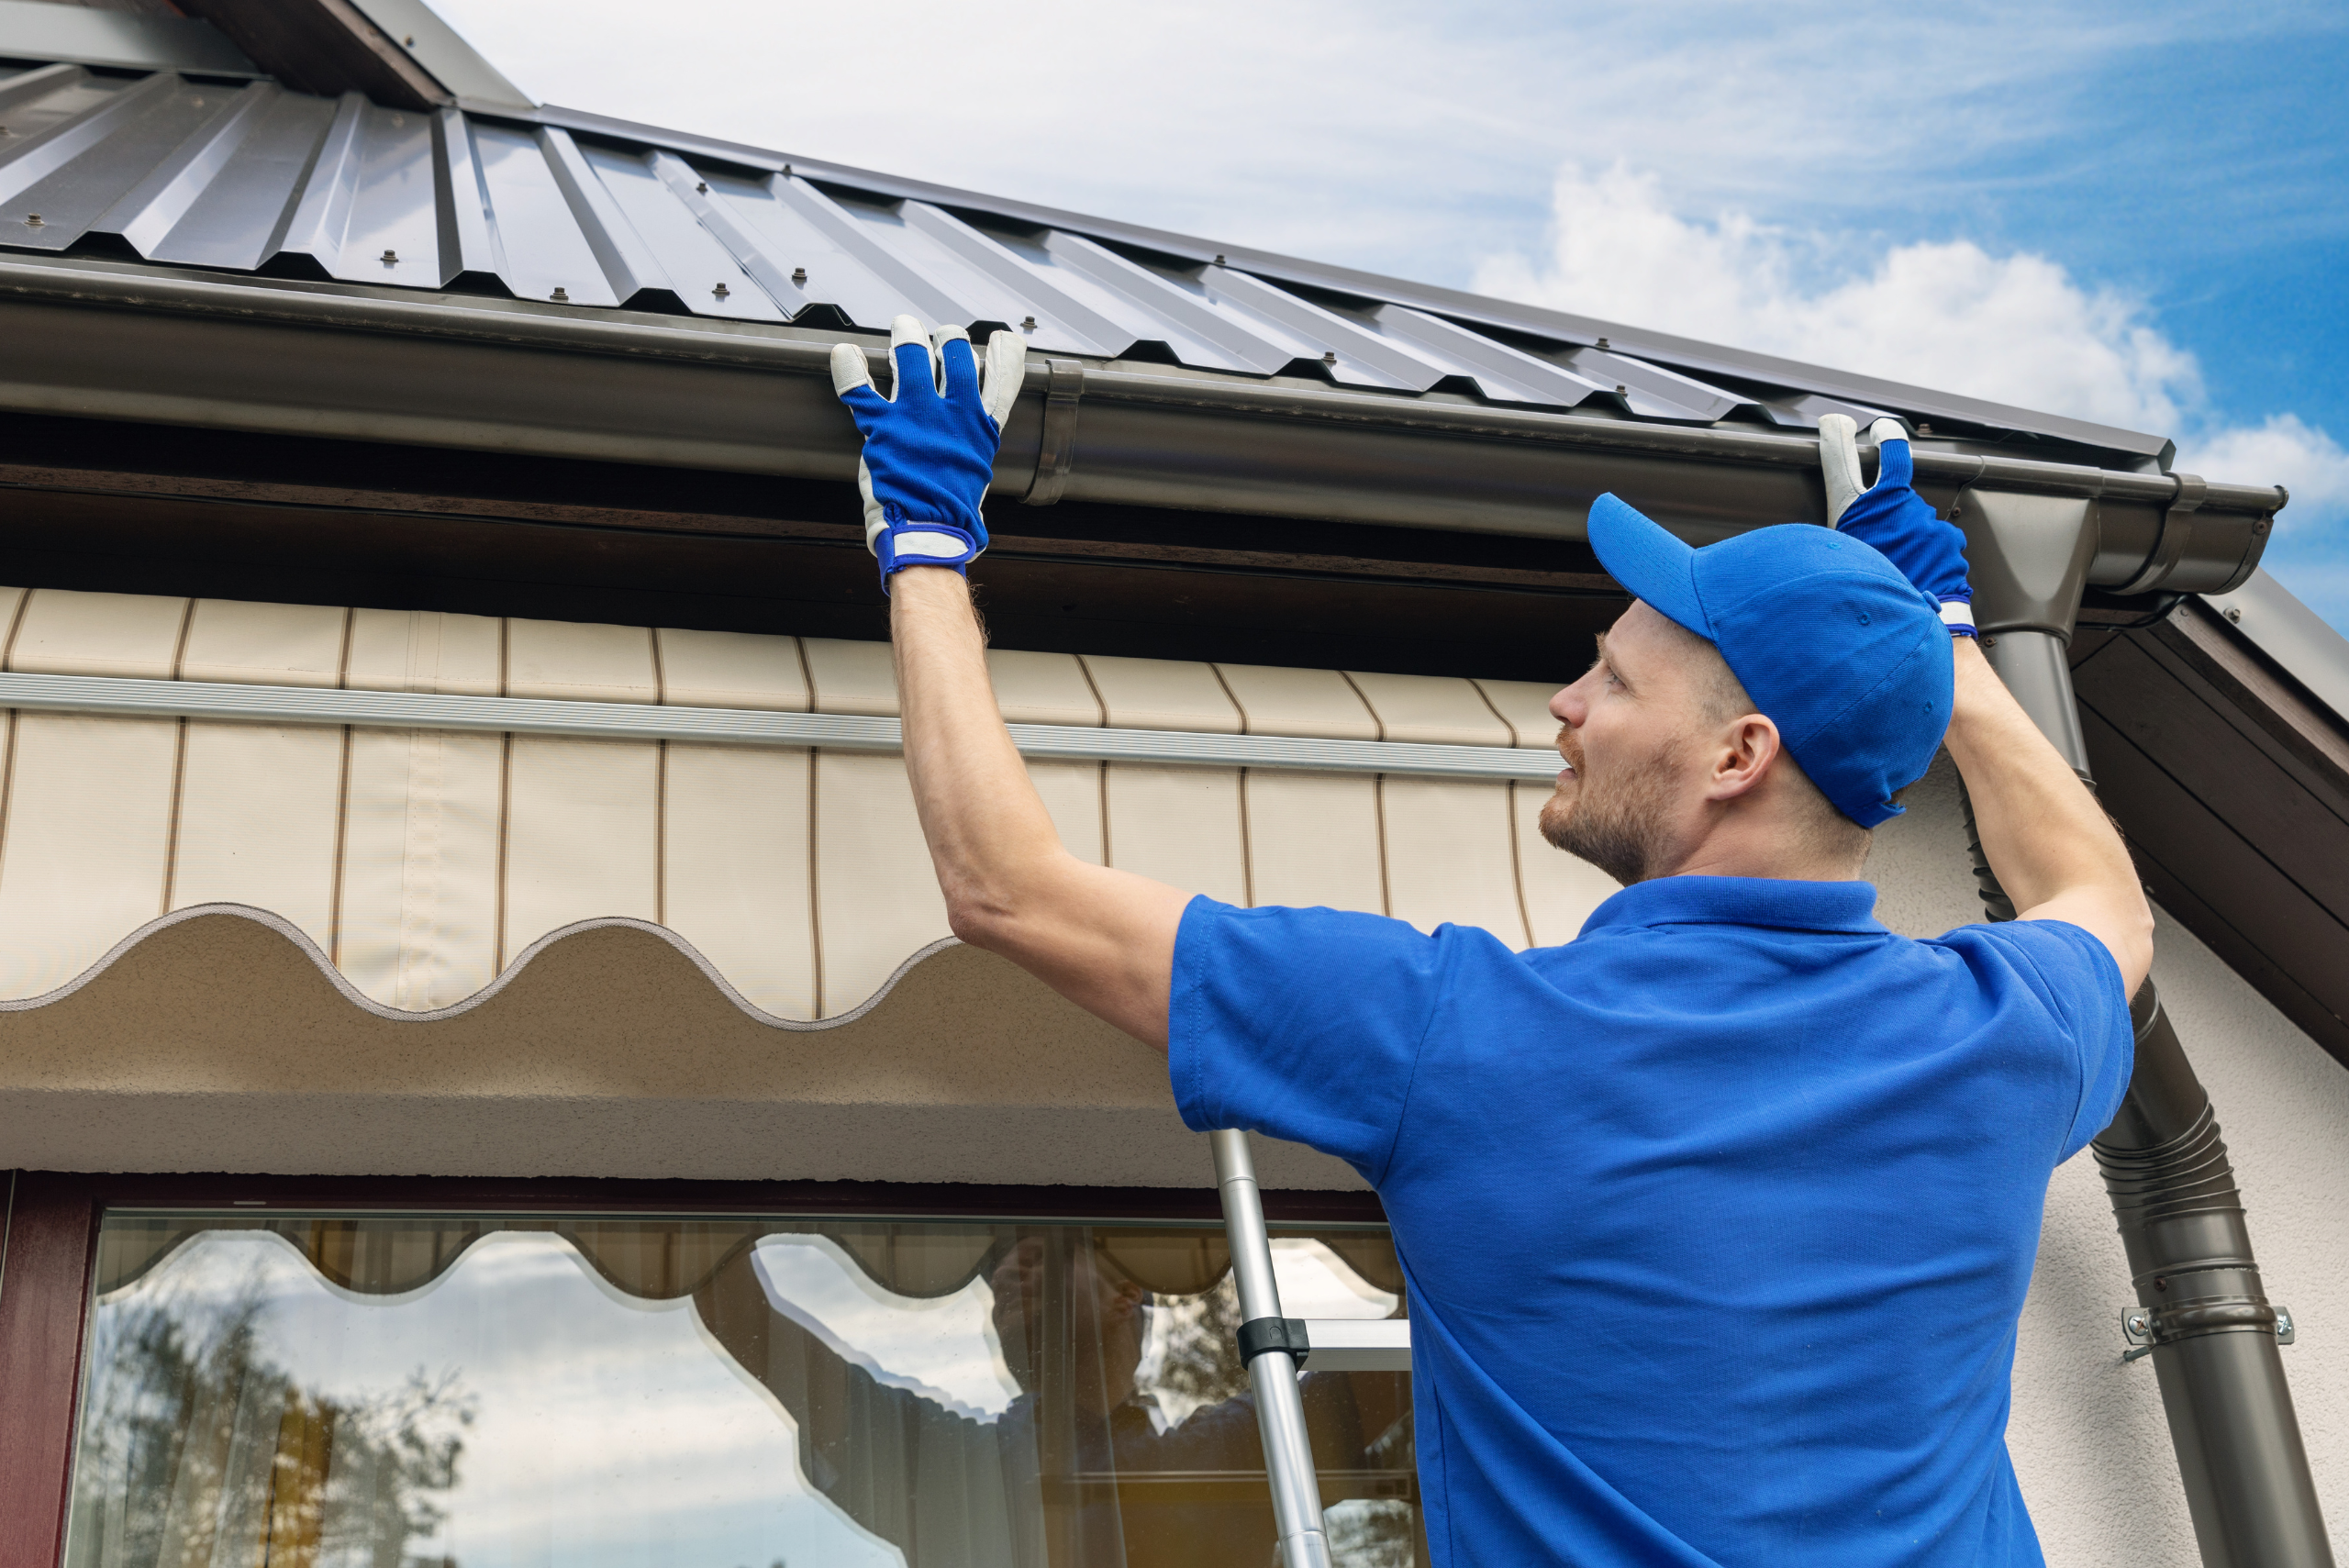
(52, 1229)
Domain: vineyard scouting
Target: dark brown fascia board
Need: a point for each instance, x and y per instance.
(1683, 353)
(818, 582)
(1174, 552)
(361, 1195)
(142, 344)
(2273, 710)
(326, 47)
(2266, 928)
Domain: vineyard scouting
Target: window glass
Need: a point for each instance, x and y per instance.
(469, 1391)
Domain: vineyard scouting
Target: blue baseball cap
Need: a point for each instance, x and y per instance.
(1833, 644)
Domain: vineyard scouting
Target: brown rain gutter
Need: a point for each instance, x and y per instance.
(111, 341)
(2203, 1315)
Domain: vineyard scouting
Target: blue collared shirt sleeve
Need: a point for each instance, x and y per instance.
(1302, 1024)
(2080, 987)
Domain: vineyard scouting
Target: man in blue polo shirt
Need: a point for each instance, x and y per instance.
(1717, 1219)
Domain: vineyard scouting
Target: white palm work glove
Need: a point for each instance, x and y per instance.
(929, 446)
(1891, 515)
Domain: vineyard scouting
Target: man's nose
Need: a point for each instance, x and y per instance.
(1567, 707)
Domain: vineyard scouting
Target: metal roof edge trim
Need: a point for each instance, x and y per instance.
(2272, 618)
(1684, 353)
(534, 326)
(644, 721)
(119, 40)
(414, 27)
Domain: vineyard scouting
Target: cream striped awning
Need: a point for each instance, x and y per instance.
(423, 863)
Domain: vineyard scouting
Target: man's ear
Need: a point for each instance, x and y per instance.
(1748, 746)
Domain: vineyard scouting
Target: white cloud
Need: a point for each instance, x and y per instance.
(2015, 329)
(1404, 137)
(2283, 450)
(1948, 314)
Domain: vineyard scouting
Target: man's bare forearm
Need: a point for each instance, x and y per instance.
(980, 815)
(1103, 939)
(2055, 851)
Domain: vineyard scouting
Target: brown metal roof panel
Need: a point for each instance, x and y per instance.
(554, 233)
(705, 272)
(1182, 313)
(233, 206)
(192, 174)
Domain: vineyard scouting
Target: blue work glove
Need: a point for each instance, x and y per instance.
(1891, 516)
(929, 449)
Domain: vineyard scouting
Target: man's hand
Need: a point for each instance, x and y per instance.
(928, 450)
(1891, 516)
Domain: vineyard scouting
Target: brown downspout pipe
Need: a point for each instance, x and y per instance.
(2204, 1318)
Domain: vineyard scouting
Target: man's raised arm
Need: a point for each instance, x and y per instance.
(1103, 939)
(2056, 852)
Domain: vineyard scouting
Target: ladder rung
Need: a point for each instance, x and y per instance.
(1358, 1344)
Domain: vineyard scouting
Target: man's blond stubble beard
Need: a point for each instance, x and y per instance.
(1618, 825)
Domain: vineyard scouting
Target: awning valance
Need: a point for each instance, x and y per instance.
(423, 861)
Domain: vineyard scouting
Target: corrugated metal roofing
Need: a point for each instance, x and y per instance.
(249, 177)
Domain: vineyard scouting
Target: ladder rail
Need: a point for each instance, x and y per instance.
(1280, 1408)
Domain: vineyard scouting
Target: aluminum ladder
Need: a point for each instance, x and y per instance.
(1275, 1348)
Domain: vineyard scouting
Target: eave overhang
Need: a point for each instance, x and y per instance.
(120, 341)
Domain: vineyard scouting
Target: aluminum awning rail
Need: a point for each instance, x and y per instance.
(645, 721)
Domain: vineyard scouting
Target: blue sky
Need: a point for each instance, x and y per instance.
(2132, 214)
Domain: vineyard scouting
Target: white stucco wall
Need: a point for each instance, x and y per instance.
(2089, 1437)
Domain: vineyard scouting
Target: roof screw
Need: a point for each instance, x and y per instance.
(1923, 429)
(1330, 357)
(390, 258)
(1026, 324)
(1622, 391)
(408, 42)
(701, 187)
(799, 276)
(34, 220)
(2234, 616)
(1219, 258)
(717, 293)
(786, 171)
(560, 296)
(1602, 344)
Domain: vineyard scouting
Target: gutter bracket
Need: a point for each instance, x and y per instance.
(1056, 457)
(2177, 531)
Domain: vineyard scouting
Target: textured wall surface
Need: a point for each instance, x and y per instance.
(2087, 1433)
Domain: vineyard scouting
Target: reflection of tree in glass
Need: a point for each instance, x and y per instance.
(197, 1450)
(1200, 1363)
(1371, 1532)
